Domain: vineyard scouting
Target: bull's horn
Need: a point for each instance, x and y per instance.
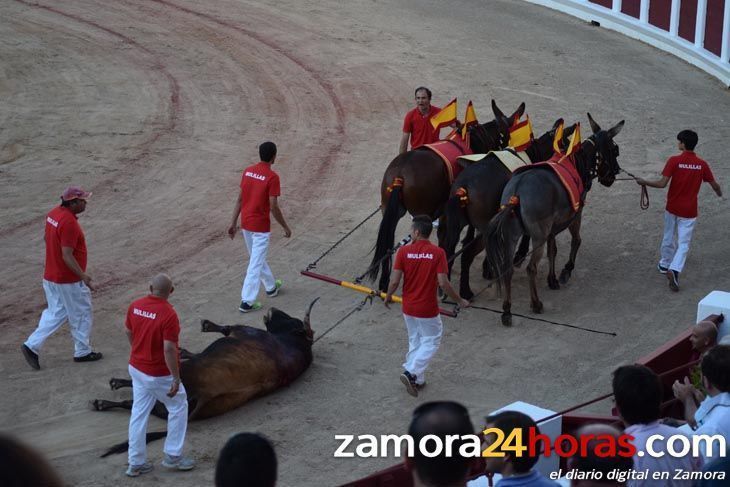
(306, 316)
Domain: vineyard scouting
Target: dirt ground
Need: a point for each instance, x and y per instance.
(156, 106)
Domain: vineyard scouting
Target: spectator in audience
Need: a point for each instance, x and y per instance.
(515, 470)
(712, 417)
(439, 418)
(247, 459)
(703, 337)
(638, 394)
(593, 463)
(21, 466)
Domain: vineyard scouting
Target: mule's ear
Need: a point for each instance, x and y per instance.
(518, 113)
(498, 115)
(613, 131)
(594, 126)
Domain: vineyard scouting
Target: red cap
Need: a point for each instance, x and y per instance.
(74, 192)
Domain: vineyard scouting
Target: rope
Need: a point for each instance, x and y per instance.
(590, 330)
(375, 265)
(354, 310)
(644, 200)
(314, 264)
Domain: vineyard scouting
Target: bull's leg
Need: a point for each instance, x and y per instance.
(522, 250)
(209, 326)
(537, 251)
(103, 405)
(552, 250)
(115, 383)
(575, 240)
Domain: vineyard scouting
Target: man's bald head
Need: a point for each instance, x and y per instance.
(602, 435)
(703, 336)
(161, 285)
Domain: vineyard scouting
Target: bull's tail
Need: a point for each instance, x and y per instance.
(122, 447)
(498, 239)
(309, 311)
(386, 232)
(455, 220)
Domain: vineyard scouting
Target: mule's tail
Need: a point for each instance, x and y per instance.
(386, 232)
(498, 239)
(122, 447)
(455, 220)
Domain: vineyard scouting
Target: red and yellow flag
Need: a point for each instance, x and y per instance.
(574, 143)
(446, 116)
(558, 139)
(521, 135)
(470, 118)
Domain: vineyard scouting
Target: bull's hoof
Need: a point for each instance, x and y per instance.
(564, 276)
(96, 405)
(553, 282)
(536, 306)
(205, 325)
(115, 384)
(507, 319)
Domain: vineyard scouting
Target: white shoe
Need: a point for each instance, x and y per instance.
(178, 463)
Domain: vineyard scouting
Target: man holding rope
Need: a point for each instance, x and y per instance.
(423, 267)
(687, 172)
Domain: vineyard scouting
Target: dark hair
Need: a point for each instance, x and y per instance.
(507, 421)
(716, 367)
(591, 462)
(688, 138)
(21, 466)
(441, 418)
(638, 393)
(65, 203)
(246, 459)
(422, 88)
(423, 224)
(267, 151)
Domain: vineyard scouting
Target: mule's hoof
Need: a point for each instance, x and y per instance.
(537, 307)
(564, 277)
(506, 320)
(519, 259)
(466, 294)
(553, 283)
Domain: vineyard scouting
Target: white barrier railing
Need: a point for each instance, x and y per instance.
(693, 52)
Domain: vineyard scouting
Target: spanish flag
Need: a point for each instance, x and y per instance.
(574, 143)
(558, 139)
(470, 118)
(521, 135)
(446, 116)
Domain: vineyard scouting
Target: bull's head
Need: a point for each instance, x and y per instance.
(279, 323)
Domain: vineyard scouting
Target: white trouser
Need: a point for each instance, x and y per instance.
(66, 302)
(676, 240)
(424, 338)
(258, 271)
(147, 389)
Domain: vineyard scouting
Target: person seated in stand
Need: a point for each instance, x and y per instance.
(591, 462)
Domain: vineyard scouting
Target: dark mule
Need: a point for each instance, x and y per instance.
(483, 183)
(536, 204)
(425, 185)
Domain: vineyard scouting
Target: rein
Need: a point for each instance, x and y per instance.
(644, 199)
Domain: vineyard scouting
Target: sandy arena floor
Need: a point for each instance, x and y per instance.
(156, 106)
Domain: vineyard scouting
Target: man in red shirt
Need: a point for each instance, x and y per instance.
(417, 123)
(66, 284)
(423, 267)
(152, 327)
(258, 197)
(686, 172)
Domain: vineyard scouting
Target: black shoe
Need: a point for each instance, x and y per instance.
(673, 277)
(409, 381)
(661, 269)
(91, 357)
(30, 356)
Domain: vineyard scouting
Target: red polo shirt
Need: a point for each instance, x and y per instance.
(258, 183)
(420, 128)
(151, 320)
(63, 230)
(420, 262)
(687, 172)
